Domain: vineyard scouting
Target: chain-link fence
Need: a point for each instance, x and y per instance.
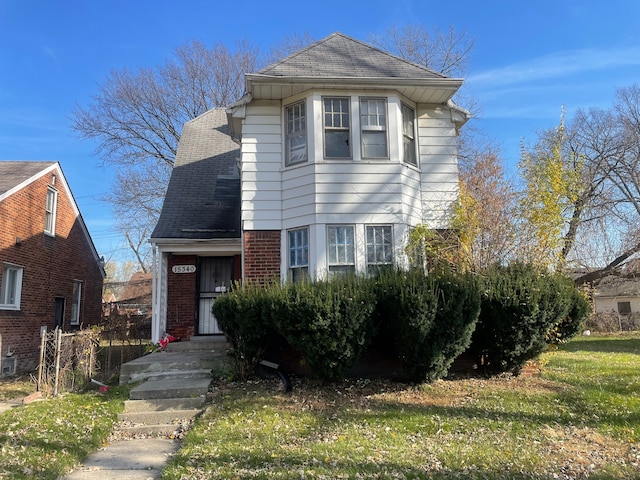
(67, 360)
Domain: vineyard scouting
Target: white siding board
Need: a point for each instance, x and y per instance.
(261, 129)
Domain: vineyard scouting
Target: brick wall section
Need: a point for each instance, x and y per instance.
(181, 298)
(51, 264)
(261, 256)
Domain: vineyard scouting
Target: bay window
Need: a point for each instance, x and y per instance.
(296, 133)
(298, 254)
(337, 131)
(373, 125)
(341, 249)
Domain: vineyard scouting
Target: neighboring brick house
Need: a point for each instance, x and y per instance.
(50, 272)
(341, 150)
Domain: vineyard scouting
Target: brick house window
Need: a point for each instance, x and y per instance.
(75, 302)
(341, 249)
(296, 136)
(624, 308)
(11, 284)
(336, 127)
(373, 125)
(50, 212)
(298, 254)
(379, 246)
(408, 136)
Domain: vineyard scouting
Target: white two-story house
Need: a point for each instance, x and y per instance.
(323, 167)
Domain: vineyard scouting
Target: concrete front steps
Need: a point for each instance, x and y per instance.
(174, 386)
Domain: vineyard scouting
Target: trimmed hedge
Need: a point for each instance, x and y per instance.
(504, 319)
(328, 322)
(520, 306)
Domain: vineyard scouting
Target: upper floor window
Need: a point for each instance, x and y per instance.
(373, 124)
(50, 212)
(379, 245)
(336, 127)
(298, 254)
(408, 136)
(11, 284)
(341, 249)
(75, 302)
(296, 134)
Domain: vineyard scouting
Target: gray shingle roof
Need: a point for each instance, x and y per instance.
(13, 173)
(341, 56)
(203, 196)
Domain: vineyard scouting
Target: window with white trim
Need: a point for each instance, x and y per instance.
(11, 285)
(296, 134)
(50, 212)
(341, 249)
(373, 126)
(337, 131)
(408, 136)
(75, 302)
(298, 254)
(379, 245)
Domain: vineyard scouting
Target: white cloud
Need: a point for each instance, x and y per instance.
(556, 65)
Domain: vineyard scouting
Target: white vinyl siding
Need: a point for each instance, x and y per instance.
(296, 133)
(50, 212)
(337, 127)
(11, 287)
(262, 160)
(373, 127)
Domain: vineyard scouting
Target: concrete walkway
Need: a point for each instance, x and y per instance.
(137, 459)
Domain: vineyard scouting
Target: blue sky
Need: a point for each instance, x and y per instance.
(530, 59)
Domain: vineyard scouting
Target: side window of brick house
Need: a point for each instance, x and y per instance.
(50, 212)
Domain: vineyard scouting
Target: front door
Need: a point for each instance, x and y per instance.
(216, 275)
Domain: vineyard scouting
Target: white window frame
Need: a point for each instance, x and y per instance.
(296, 143)
(333, 121)
(76, 301)
(383, 247)
(50, 212)
(409, 155)
(341, 254)
(373, 121)
(298, 253)
(11, 285)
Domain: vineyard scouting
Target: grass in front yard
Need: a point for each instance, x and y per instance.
(579, 420)
(45, 439)
(12, 388)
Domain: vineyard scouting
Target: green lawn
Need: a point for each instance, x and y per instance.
(45, 439)
(581, 419)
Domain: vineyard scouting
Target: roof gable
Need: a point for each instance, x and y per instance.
(14, 175)
(339, 56)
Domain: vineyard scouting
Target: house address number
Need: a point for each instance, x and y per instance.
(183, 268)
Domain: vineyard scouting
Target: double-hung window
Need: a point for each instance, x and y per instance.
(75, 302)
(408, 136)
(341, 246)
(373, 124)
(379, 246)
(296, 135)
(336, 127)
(50, 212)
(298, 254)
(11, 284)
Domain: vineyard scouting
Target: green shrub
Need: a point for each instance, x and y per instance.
(242, 314)
(428, 321)
(520, 306)
(576, 318)
(327, 322)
